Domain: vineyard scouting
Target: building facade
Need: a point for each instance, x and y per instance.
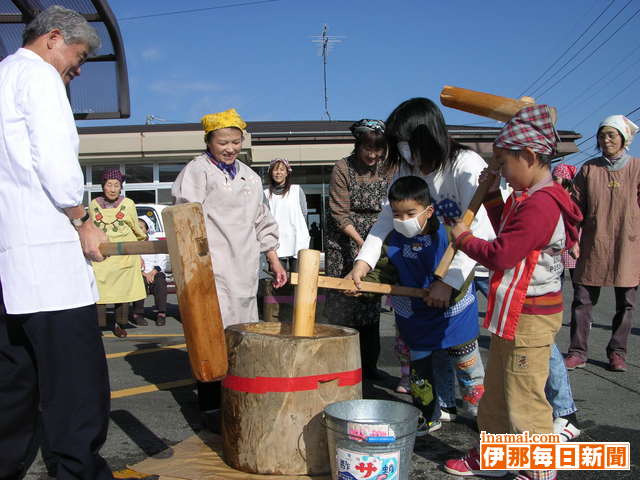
(151, 156)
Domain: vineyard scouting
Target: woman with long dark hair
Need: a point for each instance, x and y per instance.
(420, 145)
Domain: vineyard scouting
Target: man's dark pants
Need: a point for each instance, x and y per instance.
(53, 364)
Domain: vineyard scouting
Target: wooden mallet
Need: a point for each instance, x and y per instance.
(308, 280)
(487, 105)
(186, 243)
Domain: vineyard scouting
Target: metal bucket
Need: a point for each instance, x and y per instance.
(370, 439)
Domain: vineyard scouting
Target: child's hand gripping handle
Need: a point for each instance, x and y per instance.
(467, 219)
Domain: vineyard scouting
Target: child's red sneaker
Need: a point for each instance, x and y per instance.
(469, 465)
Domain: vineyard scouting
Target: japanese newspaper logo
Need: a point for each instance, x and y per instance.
(546, 452)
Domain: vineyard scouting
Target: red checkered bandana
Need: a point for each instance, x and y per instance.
(531, 127)
(564, 171)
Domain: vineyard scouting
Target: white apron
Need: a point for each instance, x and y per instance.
(292, 228)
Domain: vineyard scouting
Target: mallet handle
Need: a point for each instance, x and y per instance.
(133, 248)
(467, 219)
(335, 283)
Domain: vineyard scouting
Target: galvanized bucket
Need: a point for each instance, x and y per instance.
(370, 439)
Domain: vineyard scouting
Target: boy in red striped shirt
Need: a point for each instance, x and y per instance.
(524, 309)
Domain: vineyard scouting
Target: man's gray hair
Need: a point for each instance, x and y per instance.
(73, 26)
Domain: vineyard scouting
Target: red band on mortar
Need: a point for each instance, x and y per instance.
(285, 384)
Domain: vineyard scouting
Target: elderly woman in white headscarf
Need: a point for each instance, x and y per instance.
(607, 192)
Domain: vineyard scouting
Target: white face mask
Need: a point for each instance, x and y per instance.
(405, 152)
(410, 227)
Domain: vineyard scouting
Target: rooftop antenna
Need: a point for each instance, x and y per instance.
(325, 42)
(150, 119)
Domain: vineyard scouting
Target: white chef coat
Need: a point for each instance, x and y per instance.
(42, 267)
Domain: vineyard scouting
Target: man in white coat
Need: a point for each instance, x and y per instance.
(51, 355)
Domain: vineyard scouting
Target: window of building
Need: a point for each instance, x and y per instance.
(139, 173)
(164, 196)
(167, 172)
(141, 196)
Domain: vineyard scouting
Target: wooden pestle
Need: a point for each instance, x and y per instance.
(306, 293)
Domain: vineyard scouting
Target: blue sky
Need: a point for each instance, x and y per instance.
(260, 58)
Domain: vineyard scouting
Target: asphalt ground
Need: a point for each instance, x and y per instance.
(154, 404)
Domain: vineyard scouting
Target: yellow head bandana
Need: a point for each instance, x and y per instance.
(216, 121)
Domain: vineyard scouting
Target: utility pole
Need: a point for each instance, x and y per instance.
(326, 41)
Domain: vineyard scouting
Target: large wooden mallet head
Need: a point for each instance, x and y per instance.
(483, 104)
(188, 248)
(486, 105)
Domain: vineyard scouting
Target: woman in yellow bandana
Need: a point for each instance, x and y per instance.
(239, 225)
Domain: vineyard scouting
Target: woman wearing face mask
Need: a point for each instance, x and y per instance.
(606, 189)
(118, 278)
(288, 205)
(357, 191)
(420, 145)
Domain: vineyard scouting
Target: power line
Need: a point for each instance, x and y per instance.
(583, 154)
(629, 85)
(592, 53)
(552, 76)
(569, 48)
(193, 10)
(612, 71)
(593, 136)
